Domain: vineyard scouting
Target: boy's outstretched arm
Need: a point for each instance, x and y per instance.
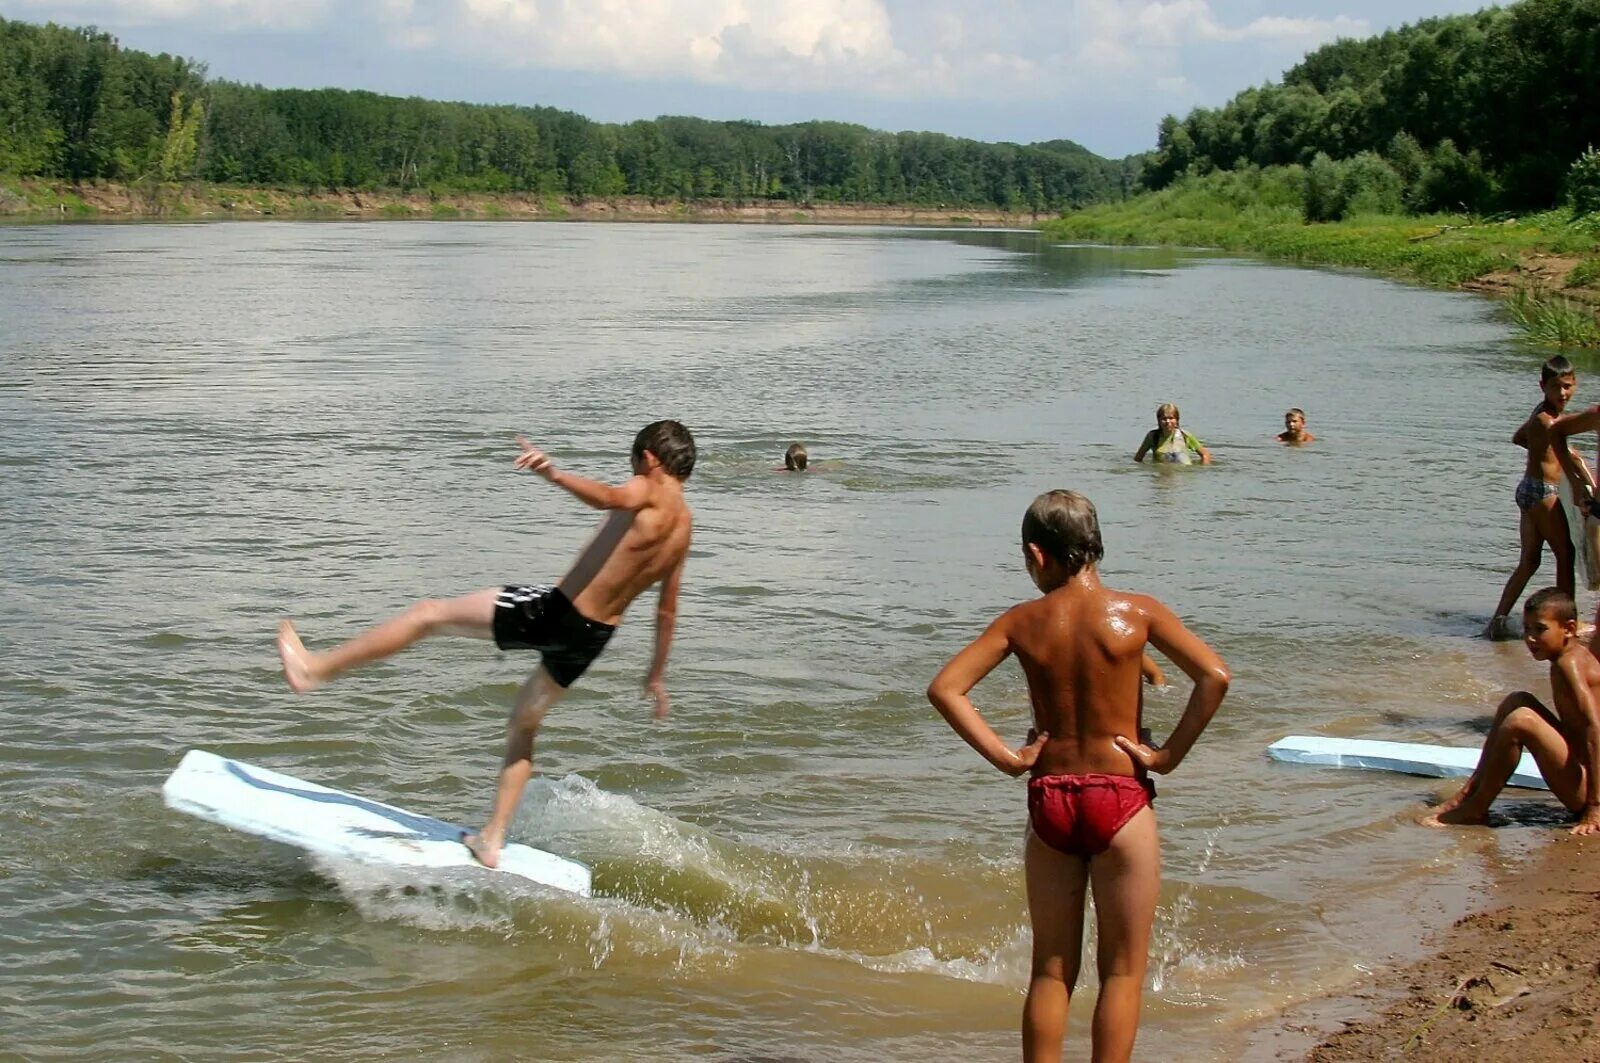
(655, 680)
(1211, 678)
(593, 493)
(1571, 424)
(955, 681)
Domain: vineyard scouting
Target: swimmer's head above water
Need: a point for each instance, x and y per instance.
(795, 459)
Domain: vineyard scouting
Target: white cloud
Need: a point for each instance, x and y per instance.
(277, 14)
(981, 50)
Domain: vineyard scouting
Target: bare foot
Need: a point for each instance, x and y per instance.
(297, 665)
(1451, 816)
(485, 852)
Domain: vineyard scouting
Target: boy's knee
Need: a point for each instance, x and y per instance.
(1520, 719)
(1517, 699)
(1120, 964)
(1053, 967)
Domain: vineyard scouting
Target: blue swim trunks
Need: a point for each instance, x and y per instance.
(1530, 492)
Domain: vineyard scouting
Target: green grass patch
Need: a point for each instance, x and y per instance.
(445, 212)
(1554, 321)
(395, 210)
(960, 219)
(1260, 213)
(554, 208)
(1585, 274)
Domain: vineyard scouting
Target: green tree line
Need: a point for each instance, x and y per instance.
(74, 105)
(1483, 112)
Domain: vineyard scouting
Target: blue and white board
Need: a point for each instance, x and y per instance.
(344, 826)
(1410, 758)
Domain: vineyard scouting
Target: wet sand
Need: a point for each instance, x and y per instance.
(1517, 980)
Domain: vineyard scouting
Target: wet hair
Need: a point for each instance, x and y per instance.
(1556, 365)
(1066, 527)
(1295, 409)
(795, 459)
(1167, 407)
(672, 445)
(1553, 602)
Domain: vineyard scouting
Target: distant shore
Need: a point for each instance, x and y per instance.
(1545, 266)
(37, 201)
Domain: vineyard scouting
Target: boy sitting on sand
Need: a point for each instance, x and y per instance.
(1542, 518)
(1564, 743)
(642, 542)
(1091, 823)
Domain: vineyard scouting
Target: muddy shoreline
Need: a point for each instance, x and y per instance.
(37, 201)
(1516, 981)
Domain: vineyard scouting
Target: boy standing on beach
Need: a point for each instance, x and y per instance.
(1564, 743)
(1081, 646)
(1538, 498)
(643, 541)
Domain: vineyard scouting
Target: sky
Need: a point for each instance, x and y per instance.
(1099, 72)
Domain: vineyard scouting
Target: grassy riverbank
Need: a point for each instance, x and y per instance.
(1548, 263)
(33, 200)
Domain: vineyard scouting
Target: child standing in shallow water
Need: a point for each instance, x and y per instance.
(642, 541)
(1168, 442)
(1091, 821)
(1541, 517)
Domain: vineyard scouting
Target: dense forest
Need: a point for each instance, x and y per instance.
(76, 106)
(1482, 112)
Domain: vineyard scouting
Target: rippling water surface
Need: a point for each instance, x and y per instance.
(206, 428)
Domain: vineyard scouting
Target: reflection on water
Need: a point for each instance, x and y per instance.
(203, 429)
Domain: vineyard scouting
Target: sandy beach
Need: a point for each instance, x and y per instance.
(1517, 980)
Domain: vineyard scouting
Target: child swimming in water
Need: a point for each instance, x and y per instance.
(642, 542)
(795, 458)
(1091, 822)
(1294, 428)
(1167, 442)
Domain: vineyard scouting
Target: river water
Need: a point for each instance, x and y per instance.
(204, 428)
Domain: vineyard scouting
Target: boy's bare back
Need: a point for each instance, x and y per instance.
(1576, 665)
(1080, 647)
(1081, 650)
(1544, 462)
(632, 551)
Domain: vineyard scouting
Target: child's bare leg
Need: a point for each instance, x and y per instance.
(471, 615)
(1532, 544)
(1127, 882)
(1527, 727)
(1518, 699)
(533, 701)
(1057, 888)
(1550, 517)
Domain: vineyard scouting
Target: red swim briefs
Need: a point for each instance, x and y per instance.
(1080, 814)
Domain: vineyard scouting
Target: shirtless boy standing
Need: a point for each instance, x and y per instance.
(1564, 743)
(1082, 647)
(1538, 498)
(643, 541)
